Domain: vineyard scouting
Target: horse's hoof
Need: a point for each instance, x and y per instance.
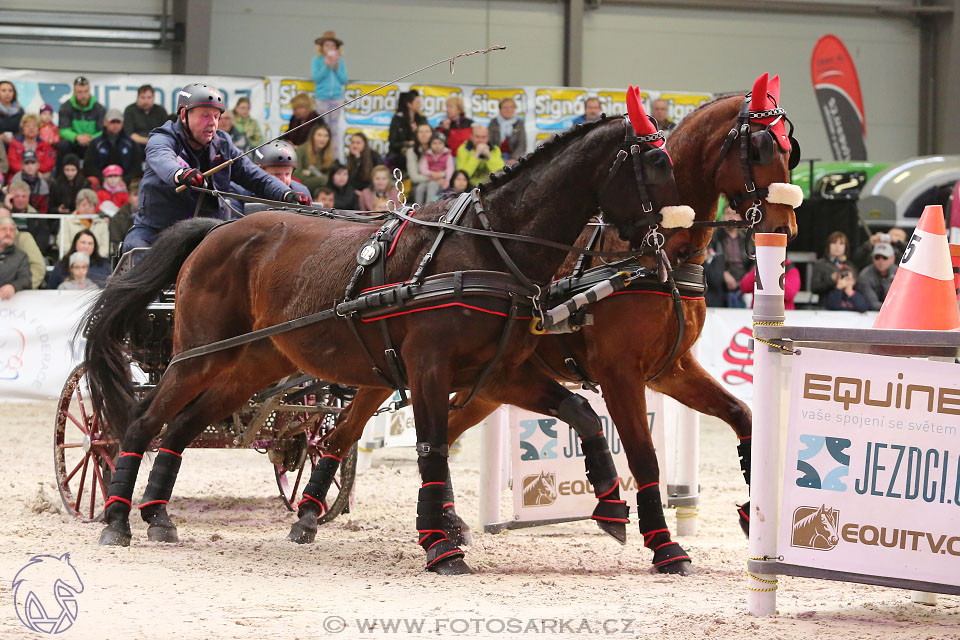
(156, 533)
(110, 537)
(302, 534)
(679, 567)
(618, 530)
(452, 567)
(743, 512)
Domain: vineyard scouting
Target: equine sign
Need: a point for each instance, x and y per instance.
(548, 465)
(872, 467)
(45, 594)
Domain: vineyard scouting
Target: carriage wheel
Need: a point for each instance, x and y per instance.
(83, 451)
(291, 482)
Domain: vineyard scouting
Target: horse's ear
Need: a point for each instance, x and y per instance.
(773, 88)
(758, 100)
(635, 110)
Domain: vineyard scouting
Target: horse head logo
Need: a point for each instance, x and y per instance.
(540, 490)
(45, 594)
(12, 344)
(816, 528)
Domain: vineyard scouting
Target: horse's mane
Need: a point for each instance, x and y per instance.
(543, 152)
(806, 520)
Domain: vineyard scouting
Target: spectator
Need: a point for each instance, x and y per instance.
(478, 157)
(403, 129)
(361, 161)
(63, 193)
(315, 158)
(344, 195)
(826, 270)
(81, 120)
(28, 140)
(727, 263)
(99, 226)
(459, 183)
(326, 198)
(10, 111)
(374, 197)
(141, 117)
(844, 297)
(414, 155)
(791, 284)
(457, 127)
(25, 242)
(246, 124)
(329, 78)
(49, 132)
(30, 174)
(658, 109)
(4, 163)
(84, 241)
(863, 255)
(302, 112)
(236, 135)
(43, 231)
(122, 220)
(591, 111)
(78, 280)
(14, 263)
(114, 190)
(507, 132)
(113, 147)
(437, 166)
(875, 279)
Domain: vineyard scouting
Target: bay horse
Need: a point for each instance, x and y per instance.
(272, 267)
(625, 357)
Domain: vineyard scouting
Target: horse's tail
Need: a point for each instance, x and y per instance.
(118, 307)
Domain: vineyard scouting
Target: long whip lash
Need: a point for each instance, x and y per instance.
(462, 54)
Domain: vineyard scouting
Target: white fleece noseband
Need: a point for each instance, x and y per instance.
(678, 217)
(782, 193)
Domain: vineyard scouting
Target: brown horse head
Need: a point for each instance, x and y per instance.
(738, 146)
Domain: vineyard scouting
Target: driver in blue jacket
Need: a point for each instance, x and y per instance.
(178, 153)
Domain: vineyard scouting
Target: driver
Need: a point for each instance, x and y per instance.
(178, 153)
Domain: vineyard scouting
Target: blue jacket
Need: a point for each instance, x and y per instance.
(328, 82)
(168, 152)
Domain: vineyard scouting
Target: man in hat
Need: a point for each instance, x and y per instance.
(329, 77)
(81, 120)
(875, 279)
(277, 158)
(143, 116)
(30, 174)
(179, 153)
(113, 146)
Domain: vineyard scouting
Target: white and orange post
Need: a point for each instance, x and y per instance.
(768, 308)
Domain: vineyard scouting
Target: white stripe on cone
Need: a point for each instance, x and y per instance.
(927, 254)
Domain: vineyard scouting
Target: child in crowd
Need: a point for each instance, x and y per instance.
(325, 197)
(437, 165)
(77, 280)
(844, 297)
(374, 197)
(344, 195)
(459, 183)
(63, 193)
(49, 132)
(114, 189)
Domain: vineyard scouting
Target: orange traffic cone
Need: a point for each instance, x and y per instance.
(955, 260)
(922, 295)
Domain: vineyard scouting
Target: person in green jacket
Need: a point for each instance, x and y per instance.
(81, 120)
(477, 157)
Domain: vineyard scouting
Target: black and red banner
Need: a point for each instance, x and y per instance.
(838, 93)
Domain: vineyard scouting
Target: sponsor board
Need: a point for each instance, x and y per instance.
(287, 89)
(613, 102)
(547, 464)
(433, 101)
(557, 109)
(872, 480)
(680, 104)
(484, 102)
(375, 109)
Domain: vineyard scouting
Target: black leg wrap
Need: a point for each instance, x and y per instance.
(743, 450)
(743, 513)
(457, 530)
(117, 506)
(441, 551)
(153, 510)
(668, 556)
(315, 493)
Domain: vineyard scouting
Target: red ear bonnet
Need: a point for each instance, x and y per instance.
(638, 117)
(760, 101)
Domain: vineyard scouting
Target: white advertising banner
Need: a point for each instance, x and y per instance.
(37, 346)
(549, 479)
(872, 469)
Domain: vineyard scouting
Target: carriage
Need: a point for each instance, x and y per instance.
(286, 421)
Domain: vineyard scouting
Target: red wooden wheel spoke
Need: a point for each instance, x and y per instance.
(93, 490)
(82, 427)
(83, 412)
(74, 472)
(113, 467)
(83, 477)
(70, 445)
